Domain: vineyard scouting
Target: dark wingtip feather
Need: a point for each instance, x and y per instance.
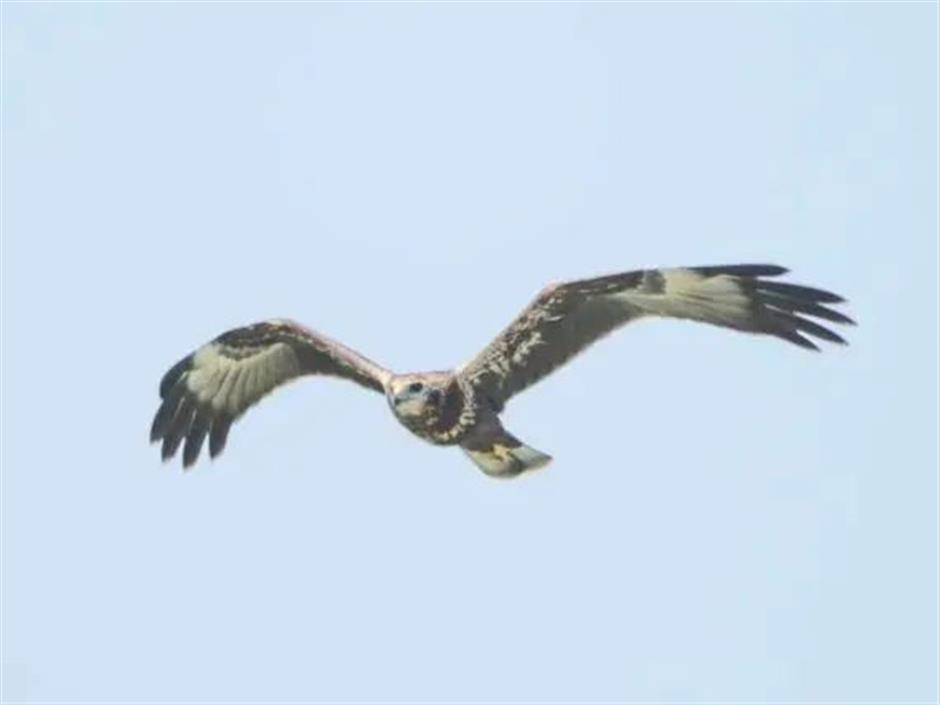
(173, 375)
(219, 434)
(804, 325)
(742, 270)
(792, 336)
(803, 293)
(166, 413)
(820, 331)
(807, 308)
(785, 310)
(178, 429)
(196, 437)
(156, 426)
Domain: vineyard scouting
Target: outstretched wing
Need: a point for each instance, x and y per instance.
(566, 318)
(209, 389)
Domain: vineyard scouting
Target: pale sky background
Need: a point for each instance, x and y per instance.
(727, 518)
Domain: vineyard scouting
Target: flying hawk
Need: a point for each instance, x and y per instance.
(205, 392)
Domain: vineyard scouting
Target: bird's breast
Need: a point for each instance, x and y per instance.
(447, 423)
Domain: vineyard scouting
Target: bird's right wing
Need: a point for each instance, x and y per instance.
(210, 388)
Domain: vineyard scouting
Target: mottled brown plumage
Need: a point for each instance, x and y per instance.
(205, 392)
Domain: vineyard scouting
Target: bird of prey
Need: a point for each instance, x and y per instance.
(205, 392)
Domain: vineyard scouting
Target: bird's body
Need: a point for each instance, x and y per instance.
(206, 391)
(433, 405)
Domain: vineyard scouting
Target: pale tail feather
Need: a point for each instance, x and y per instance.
(504, 456)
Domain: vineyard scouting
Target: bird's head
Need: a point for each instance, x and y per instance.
(417, 397)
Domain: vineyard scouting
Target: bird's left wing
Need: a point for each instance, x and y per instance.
(566, 318)
(206, 391)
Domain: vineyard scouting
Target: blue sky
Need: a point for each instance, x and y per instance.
(727, 518)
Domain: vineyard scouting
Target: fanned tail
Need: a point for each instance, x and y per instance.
(500, 454)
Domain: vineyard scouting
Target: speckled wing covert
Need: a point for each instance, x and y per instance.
(566, 318)
(205, 392)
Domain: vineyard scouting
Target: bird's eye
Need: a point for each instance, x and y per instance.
(415, 387)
